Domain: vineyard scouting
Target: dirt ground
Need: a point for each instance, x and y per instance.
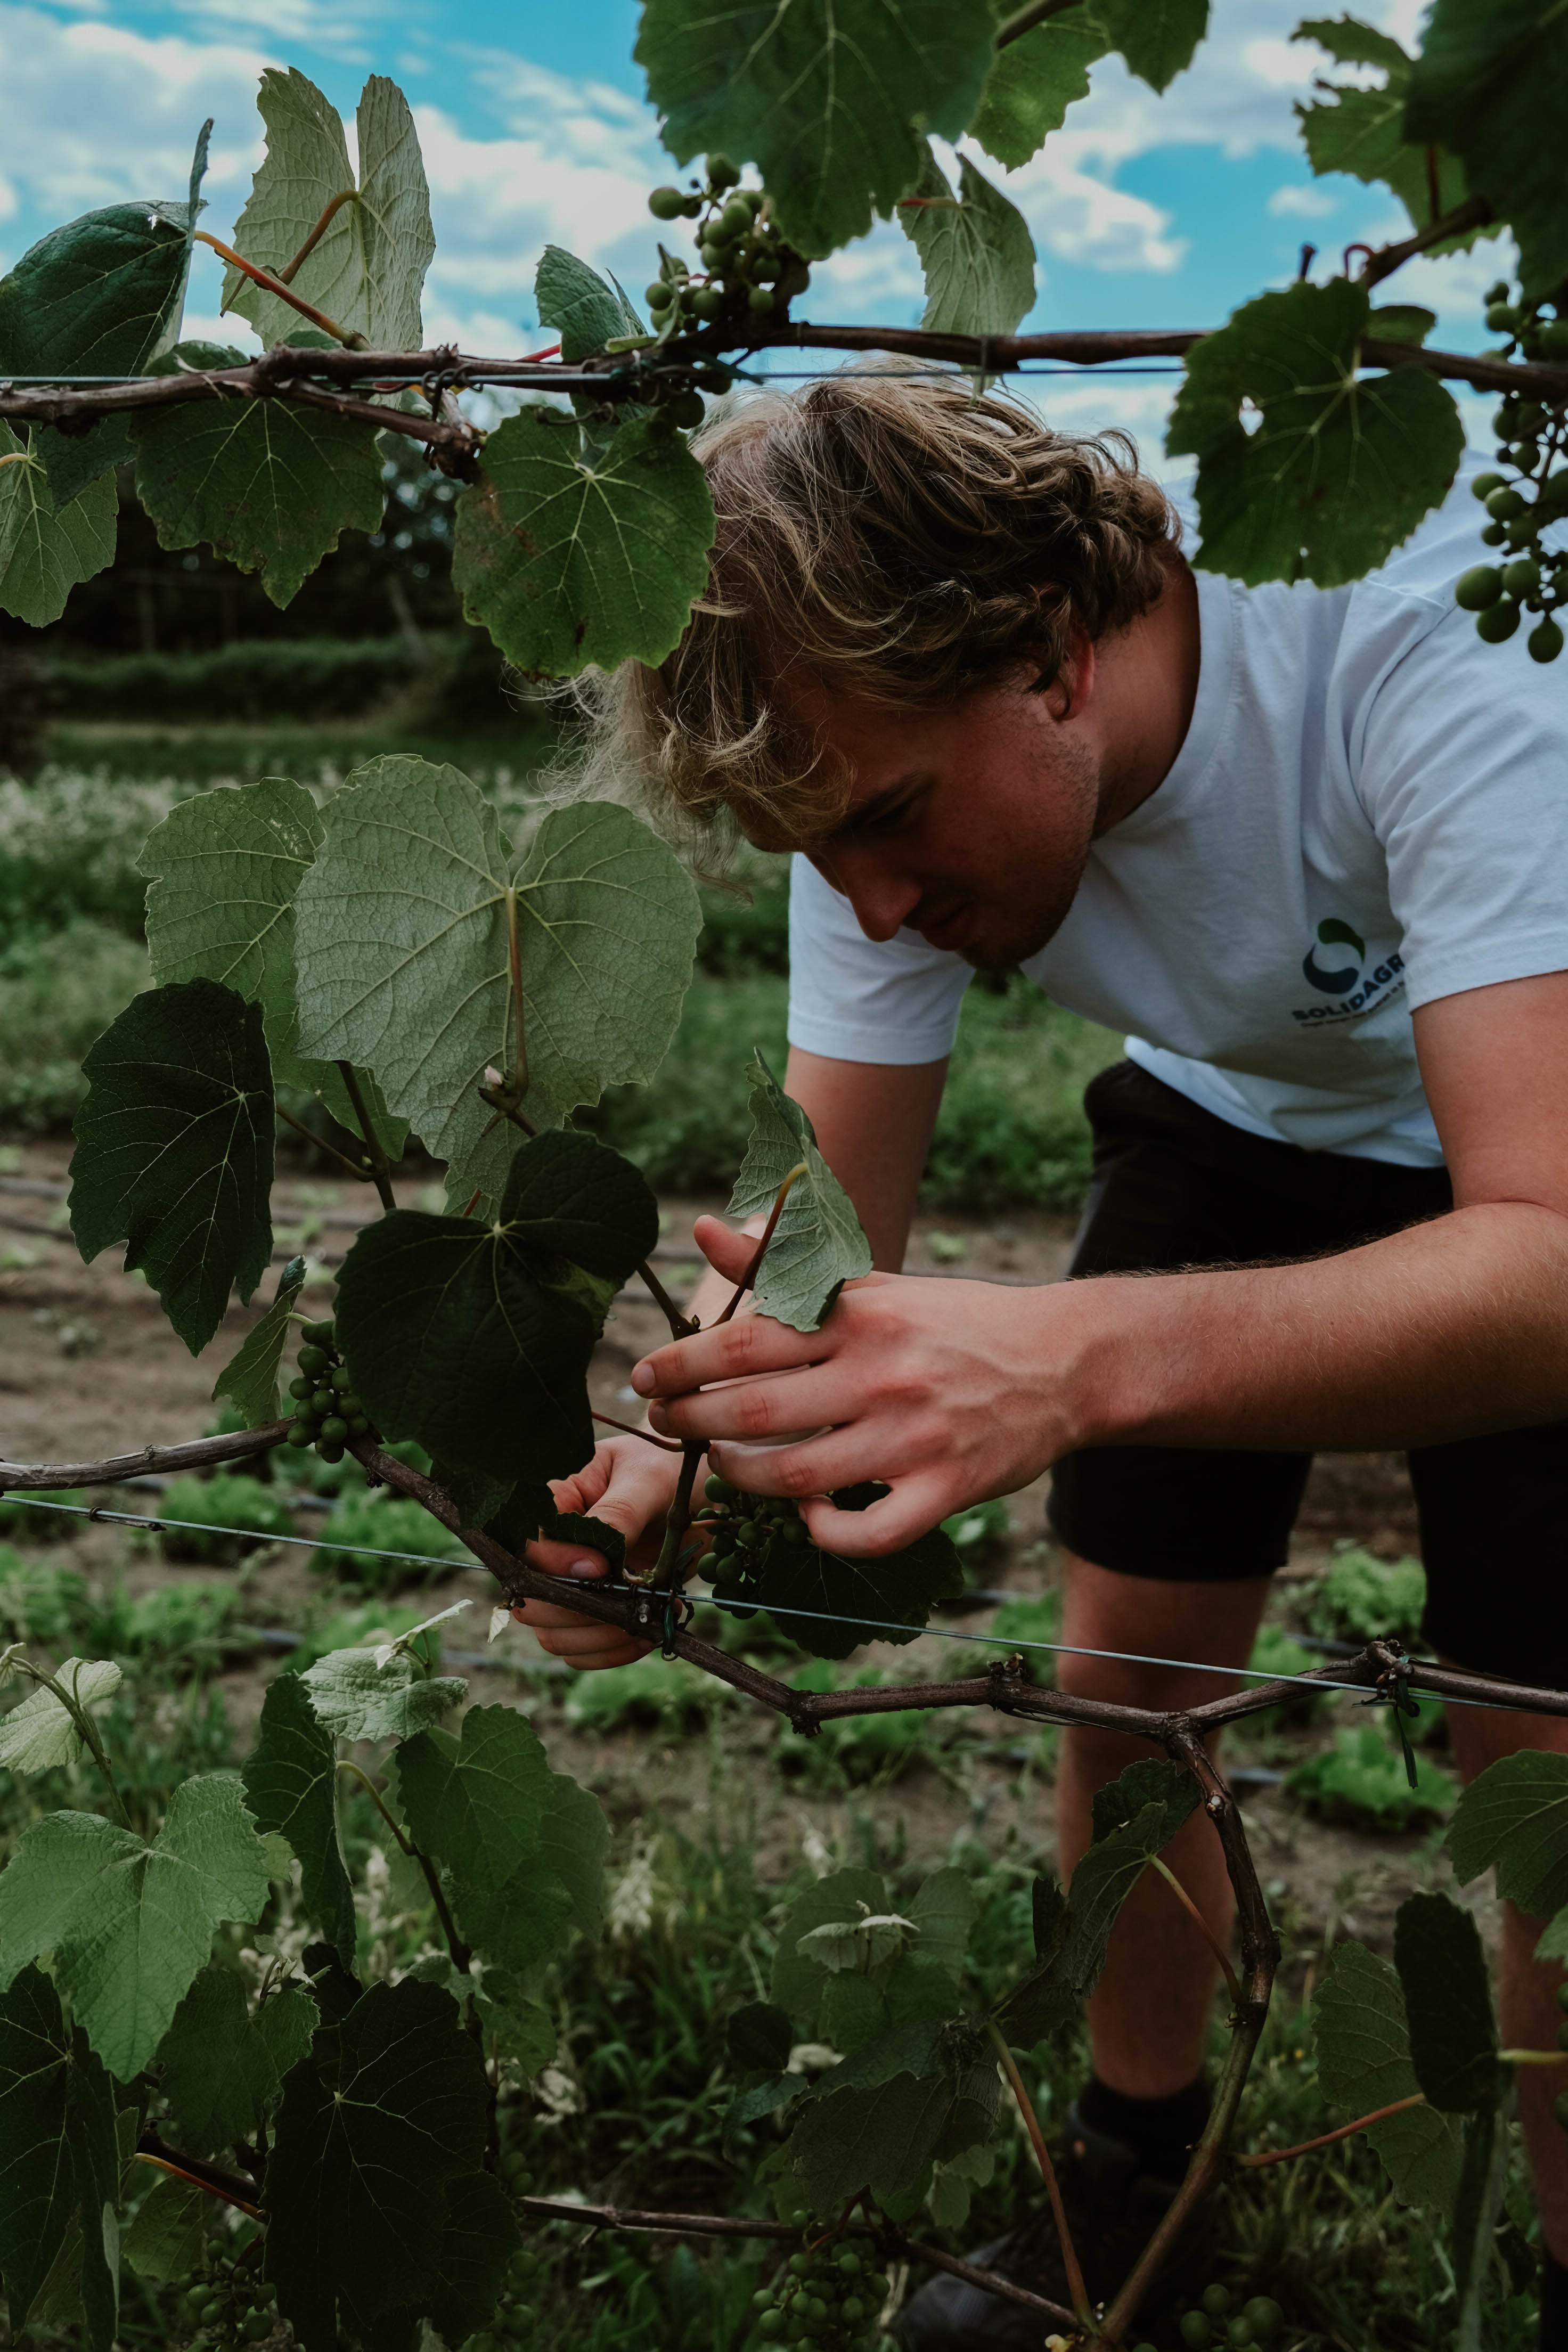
(88, 1368)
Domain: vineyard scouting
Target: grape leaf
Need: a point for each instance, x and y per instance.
(168, 2240)
(129, 1924)
(41, 1733)
(96, 297)
(477, 1803)
(1157, 38)
(870, 2123)
(225, 869)
(943, 1909)
(1515, 1814)
(290, 1786)
(1033, 82)
(518, 2028)
(481, 2235)
(44, 549)
(268, 483)
(368, 270)
(822, 96)
(249, 1379)
(404, 963)
(475, 1338)
(222, 2065)
(760, 2037)
(1362, 130)
(74, 460)
(798, 1982)
(58, 2156)
(1488, 86)
(1339, 469)
(353, 1698)
(1134, 1818)
(1364, 2063)
(861, 1600)
(529, 1918)
(385, 2114)
(977, 254)
(174, 1153)
(568, 561)
(817, 1243)
(570, 296)
(1447, 2005)
(574, 1841)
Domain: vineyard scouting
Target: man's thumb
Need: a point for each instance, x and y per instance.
(729, 1252)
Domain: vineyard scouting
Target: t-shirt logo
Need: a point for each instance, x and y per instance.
(1334, 931)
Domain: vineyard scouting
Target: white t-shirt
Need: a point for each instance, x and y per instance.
(1370, 810)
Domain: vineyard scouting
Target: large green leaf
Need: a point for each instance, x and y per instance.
(222, 2066)
(817, 1244)
(885, 1600)
(354, 1697)
(475, 1337)
(1338, 468)
(404, 956)
(926, 2093)
(798, 1980)
(290, 1786)
(129, 1923)
(1034, 80)
(822, 95)
(1362, 130)
(58, 2156)
(1515, 1814)
(529, 1917)
(977, 252)
(249, 1379)
(168, 2240)
(390, 2109)
(1362, 2041)
(368, 270)
(174, 1152)
(41, 1733)
(96, 297)
(267, 483)
(571, 297)
(1134, 1818)
(1157, 38)
(476, 1803)
(45, 550)
(481, 2235)
(1489, 87)
(567, 561)
(1447, 2005)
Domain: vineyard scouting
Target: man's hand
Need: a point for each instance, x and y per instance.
(946, 1391)
(629, 1485)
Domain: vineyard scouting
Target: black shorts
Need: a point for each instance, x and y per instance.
(1174, 1186)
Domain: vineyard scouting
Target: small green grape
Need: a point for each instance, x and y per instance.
(301, 1388)
(667, 204)
(1485, 484)
(315, 1360)
(321, 1335)
(771, 2323)
(1264, 2315)
(761, 299)
(1215, 2300)
(331, 1451)
(1504, 505)
(1501, 318)
(1498, 624)
(322, 1401)
(735, 220)
(1479, 587)
(1239, 2332)
(348, 1402)
(1544, 641)
(301, 1433)
(848, 2260)
(688, 409)
(721, 173)
(658, 296)
(707, 302)
(1522, 577)
(334, 1429)
(1493, 535)
(1195, 2331)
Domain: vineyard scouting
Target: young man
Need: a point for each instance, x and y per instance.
(1310, 847)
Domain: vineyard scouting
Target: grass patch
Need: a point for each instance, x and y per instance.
(58, 992)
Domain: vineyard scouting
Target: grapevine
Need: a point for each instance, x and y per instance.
(395, 954)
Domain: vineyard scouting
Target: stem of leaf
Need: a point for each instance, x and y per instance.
(1076, 2290)
(500, 1101)
(347, 336)
(681, 1326)
(1533, 2057)
(665, 1444)
(346, 1764)
(86, 1730)
(462, 1954)
(1473, 212)
(1346, 2131)
(514, 956)
(1023, 20)
(679, 1516)
(373, 1143)
(287, 275)
(754, 1268)
(349, 1167)
(1191, 1908)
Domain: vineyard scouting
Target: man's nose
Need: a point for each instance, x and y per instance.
(883, 901)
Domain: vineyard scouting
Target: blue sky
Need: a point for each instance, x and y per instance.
(535, 128)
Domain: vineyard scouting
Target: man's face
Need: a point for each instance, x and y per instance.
(971, 826)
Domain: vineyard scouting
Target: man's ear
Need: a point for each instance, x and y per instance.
(1071, 691)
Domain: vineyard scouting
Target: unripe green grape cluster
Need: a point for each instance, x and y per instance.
(1523, 502)
(748, 272)
(747, 1532)
(1214, 2323)
(227, 2306)
(831, 2297)
(327, 1409)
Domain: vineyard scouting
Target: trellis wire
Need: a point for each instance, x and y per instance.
(746, 1609)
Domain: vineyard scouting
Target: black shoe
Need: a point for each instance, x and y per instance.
(1113, 2208)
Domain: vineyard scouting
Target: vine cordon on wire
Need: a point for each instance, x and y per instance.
(395, 953)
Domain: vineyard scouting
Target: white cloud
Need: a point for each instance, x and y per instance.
(1302, 204)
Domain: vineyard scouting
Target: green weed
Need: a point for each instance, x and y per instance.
(1363, 1598)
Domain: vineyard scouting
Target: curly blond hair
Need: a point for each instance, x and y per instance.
(894, 539)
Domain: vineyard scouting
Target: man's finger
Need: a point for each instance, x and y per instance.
(755, 1410)
(752, 1343)
(913, 1507)
(727, 1251)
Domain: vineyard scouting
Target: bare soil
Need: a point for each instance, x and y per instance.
(90, 1368)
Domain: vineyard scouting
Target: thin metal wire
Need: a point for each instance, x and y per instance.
(746, 1609)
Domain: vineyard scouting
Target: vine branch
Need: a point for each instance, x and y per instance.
(381, 1167)
(1327, 2139)
(1070, 2263)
